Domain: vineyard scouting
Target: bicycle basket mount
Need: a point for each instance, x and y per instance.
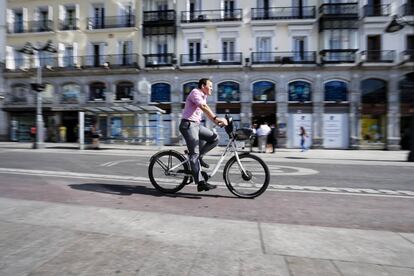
(244, 133)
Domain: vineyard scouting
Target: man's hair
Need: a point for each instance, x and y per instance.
(202, 82)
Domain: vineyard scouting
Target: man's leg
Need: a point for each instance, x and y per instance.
(208, 140)
(190, 133)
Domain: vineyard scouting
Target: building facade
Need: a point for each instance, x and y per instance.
(326, 65)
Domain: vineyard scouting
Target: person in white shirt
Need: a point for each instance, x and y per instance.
(262, 133)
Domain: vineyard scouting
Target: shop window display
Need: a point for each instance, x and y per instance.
(300, 91)
(263, 91)
(336, 91)
(161, 92)
(228, 91)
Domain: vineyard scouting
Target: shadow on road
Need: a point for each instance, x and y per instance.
(127, 190)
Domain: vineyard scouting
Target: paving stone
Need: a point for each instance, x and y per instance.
(311, 267)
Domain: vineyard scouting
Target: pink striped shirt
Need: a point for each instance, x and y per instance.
(192, 110)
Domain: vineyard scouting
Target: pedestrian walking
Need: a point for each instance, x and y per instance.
(272, 137)
(262, 133)
(303, 138)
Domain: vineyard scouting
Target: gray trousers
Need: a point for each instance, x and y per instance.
(199, 140)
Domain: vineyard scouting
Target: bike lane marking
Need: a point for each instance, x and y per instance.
(271, 188)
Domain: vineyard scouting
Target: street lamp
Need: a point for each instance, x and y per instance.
(38, 86)
(397, 23)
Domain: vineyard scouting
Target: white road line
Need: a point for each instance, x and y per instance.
(272, 187)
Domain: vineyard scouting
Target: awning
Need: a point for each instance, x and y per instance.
(125, 109)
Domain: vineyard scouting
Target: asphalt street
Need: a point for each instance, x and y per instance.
(332, 190)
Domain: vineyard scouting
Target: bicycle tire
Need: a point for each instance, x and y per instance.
(244, 186)
(165, 183)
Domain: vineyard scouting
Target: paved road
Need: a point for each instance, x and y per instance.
(65, 212)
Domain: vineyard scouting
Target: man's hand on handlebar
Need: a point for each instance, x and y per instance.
(221, 122)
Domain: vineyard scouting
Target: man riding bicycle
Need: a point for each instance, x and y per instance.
(198, 138)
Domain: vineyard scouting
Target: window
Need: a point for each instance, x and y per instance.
(18, 21)
(70, 93)
(48, 94)
(374, 91)
(187, 88)
(263, 91)
(124, 90)
(336, 91)
(300, 91)
(160, 92)
(228, 91)
(228, 50)
(97, 91)
(19, 93)
(194, 51)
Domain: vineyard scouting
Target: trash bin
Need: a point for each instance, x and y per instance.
(95, 140)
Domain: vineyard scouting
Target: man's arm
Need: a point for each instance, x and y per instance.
(207, 111)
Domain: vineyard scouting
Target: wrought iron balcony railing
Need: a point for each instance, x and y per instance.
(30, 26)
(408, 9)
(110, 22)
(159, 60)
(407, 55)
(329, 24)
(69, 24)
(376, 10)
(276, 13)
(211, 15)
(67, 62)
(378, 56)
(304, 57)
(338, 55)
(339, 9)
(231, 58)
(166, 17)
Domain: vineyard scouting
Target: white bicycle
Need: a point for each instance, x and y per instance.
(245, 175)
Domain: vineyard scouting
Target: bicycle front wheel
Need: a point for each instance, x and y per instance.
(162, 178)
(250, 179)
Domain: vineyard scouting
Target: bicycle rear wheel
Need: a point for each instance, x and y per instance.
(161, 178)
(249, 185)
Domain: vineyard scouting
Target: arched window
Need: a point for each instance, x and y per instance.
(161, 92)
(19, 93)
(336, 91)
(48, 93)
(300, 91)
(187, 88)
(228, 91)
(70, 93)
(374, 91)
(263, 91)
(97, 91)
(124, 90)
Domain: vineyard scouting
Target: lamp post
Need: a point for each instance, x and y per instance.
(38, 86)
(397, 23)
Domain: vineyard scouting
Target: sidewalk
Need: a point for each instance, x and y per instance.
(40, 238)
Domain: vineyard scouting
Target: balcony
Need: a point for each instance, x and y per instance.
(211, 59)
(377, 56)
(108, 22)
(159, 60)
(376, 10)
(407, 56)
(159, 18)
(211, 16)
(339, 9)
(407, 9)
(69, 24)
(283, 13)
(337, 24)
(30, 27)
(305, 57)
(79, 62)
(332, 56)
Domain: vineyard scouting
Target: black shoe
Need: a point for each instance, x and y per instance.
(204, 164)
(203, 186)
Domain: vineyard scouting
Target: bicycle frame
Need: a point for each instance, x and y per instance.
(230, 147)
